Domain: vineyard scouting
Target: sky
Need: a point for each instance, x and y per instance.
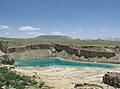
(83, 19)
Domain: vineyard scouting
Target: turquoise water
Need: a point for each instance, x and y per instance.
(58, 62)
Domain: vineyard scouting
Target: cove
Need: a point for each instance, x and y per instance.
(58, 62)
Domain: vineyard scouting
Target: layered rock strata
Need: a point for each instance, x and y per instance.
(68, 49)
(91, 54)
(74, 51)
(4, 46)
(82, 51)
(30, 54)
(29, 48)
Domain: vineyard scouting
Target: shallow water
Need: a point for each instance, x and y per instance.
(58, 62)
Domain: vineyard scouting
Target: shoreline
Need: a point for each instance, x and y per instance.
(109, 63)
(106, 64)
(61, 55)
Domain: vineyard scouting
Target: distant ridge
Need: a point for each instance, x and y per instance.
(60, 39)
(113, 39)
(54, 37)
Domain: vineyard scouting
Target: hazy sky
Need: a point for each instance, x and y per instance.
(76, 18)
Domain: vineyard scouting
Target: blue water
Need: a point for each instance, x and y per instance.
(58, 62)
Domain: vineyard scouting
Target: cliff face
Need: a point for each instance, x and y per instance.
(86, 51)
(91, 54)
(4, 46)
(30, 54)
(29, 47)
(72, 50)
(68, 49)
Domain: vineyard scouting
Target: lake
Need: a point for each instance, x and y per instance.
(50, 61)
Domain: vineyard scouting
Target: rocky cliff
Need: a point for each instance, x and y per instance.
(4, 46)
(91, 54)
(30, 54)
(29, 47)
(68, 49)
(75, 50)
(86, 51)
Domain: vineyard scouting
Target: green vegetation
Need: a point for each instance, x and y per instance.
(15, 42)
(11, 79)
(12, 61)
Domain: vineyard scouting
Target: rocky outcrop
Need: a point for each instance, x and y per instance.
(112, 79)
(113, 48)
(91, 54)
(63, 54)
(30, 54)
(78, 51)
(83, 51)
(4, 46)
(70, 50)
(4, 50)
(29, 48)
(87, 86)
(117, 49)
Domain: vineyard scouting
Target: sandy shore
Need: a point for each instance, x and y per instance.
(66, 77)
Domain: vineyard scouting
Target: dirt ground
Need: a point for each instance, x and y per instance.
(66, 77)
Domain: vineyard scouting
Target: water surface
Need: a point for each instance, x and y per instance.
(58, 62)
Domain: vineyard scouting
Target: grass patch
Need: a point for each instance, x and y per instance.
(10, 79)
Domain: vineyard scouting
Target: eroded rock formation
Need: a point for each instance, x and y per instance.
(68, 49)
(29, 47)
(84, 51)
(112, 79)
(4, 46)
(75, 50)
(91, 54)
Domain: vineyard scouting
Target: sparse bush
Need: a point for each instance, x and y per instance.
(41, 84)
(8, 77)
(12, 61)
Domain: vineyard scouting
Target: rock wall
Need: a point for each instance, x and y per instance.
(117, 49)
(99, 48)
(112, 79)
(91, 54)
(82, 51)
(4, 46)
(113, 48)
(29, 48)
(68, 49)
(30, 54)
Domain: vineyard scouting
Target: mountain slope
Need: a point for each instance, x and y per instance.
(15, 42)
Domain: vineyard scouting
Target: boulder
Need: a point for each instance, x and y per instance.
(112, 79)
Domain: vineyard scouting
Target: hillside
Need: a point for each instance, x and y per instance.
(15, 42)
(53, 37)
